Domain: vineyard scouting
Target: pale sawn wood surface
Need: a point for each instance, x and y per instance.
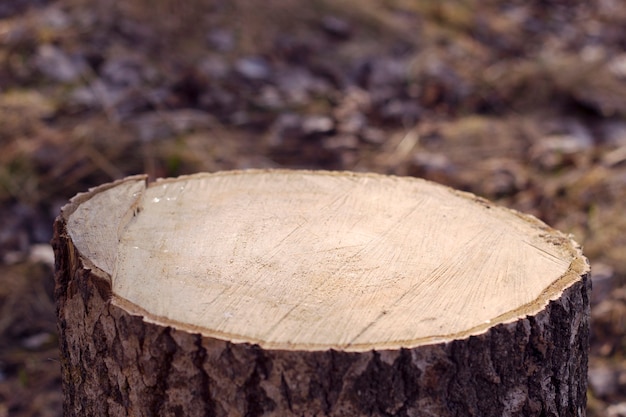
(319, 260)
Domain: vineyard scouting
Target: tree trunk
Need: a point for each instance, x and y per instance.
(295, 293)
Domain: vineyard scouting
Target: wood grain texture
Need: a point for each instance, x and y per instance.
(124, 359)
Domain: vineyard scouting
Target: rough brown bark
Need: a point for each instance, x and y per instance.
(116, 364)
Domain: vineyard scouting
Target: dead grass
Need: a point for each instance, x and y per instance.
(28, 345)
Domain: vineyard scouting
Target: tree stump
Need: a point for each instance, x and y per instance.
(297, 293)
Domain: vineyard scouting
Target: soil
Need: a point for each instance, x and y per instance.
(521, 102)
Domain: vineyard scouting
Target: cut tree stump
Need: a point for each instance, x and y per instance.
(297, 293)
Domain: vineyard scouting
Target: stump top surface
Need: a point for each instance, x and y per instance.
(319, 260)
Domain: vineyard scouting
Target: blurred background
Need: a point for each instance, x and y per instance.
(521, 102)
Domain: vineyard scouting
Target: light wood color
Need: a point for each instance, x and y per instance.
(311, 260)
(312, 263)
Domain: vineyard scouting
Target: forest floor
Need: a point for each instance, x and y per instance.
(521, 102)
